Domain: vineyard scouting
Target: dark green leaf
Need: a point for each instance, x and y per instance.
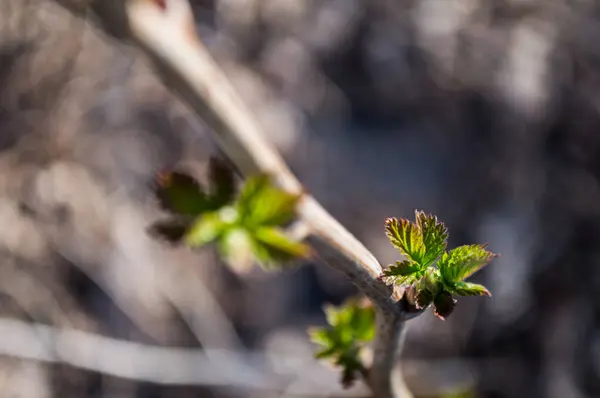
(470, 289)
(222, 180)
(407, 238)
(352, 368)
(443, 304)
(435, 236)
(180, 193)
(272, 246)
(348, 375)
(462, 262)
(172, 230)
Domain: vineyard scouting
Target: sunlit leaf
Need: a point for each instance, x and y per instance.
(236, 247)
(205, 229)
(262, 204)
(462, 262)
(470, 289)
(435, 236)
(272, 246)
(407, 238)
(402, 273)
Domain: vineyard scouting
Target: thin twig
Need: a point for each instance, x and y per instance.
(165, 30)
(149, 363)
(294, 375)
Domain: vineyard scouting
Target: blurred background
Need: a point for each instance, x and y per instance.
(484, 112)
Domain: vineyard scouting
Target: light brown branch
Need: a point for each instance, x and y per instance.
(249, 370)
(155, 364)
(167, 35)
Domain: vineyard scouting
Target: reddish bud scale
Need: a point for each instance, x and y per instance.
(161, 3)
(164, 178)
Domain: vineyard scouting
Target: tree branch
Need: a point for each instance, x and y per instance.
(165, 30)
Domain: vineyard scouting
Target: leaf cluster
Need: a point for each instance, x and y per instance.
(432, 275)
(351, 328)
(245, 225)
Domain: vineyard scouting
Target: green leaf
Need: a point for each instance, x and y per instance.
(320, 336)
(407, 238)
(443, 305)
(362, 321)
(179, 193)
(403, 273)
(462, 262)
(222, 180)
(352, 326)
(333, 314)
(236, 246)
(402, 268)
(435, 236)
(205, 229)
(430, 280)
(272, 246)
(470, 289)
(262, 204)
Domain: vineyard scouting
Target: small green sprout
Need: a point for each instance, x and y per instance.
(352, 327)
(245, 228)
(424, 243)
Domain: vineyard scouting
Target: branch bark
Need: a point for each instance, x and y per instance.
(165, 30)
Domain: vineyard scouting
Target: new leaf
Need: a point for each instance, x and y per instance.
(470, 289)
(205, 229)
(421, 242)
(435, 236)
(262, 204)
(462, 262)
(271, 246)
(351, 326)
(407, 238)
(403, 273)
